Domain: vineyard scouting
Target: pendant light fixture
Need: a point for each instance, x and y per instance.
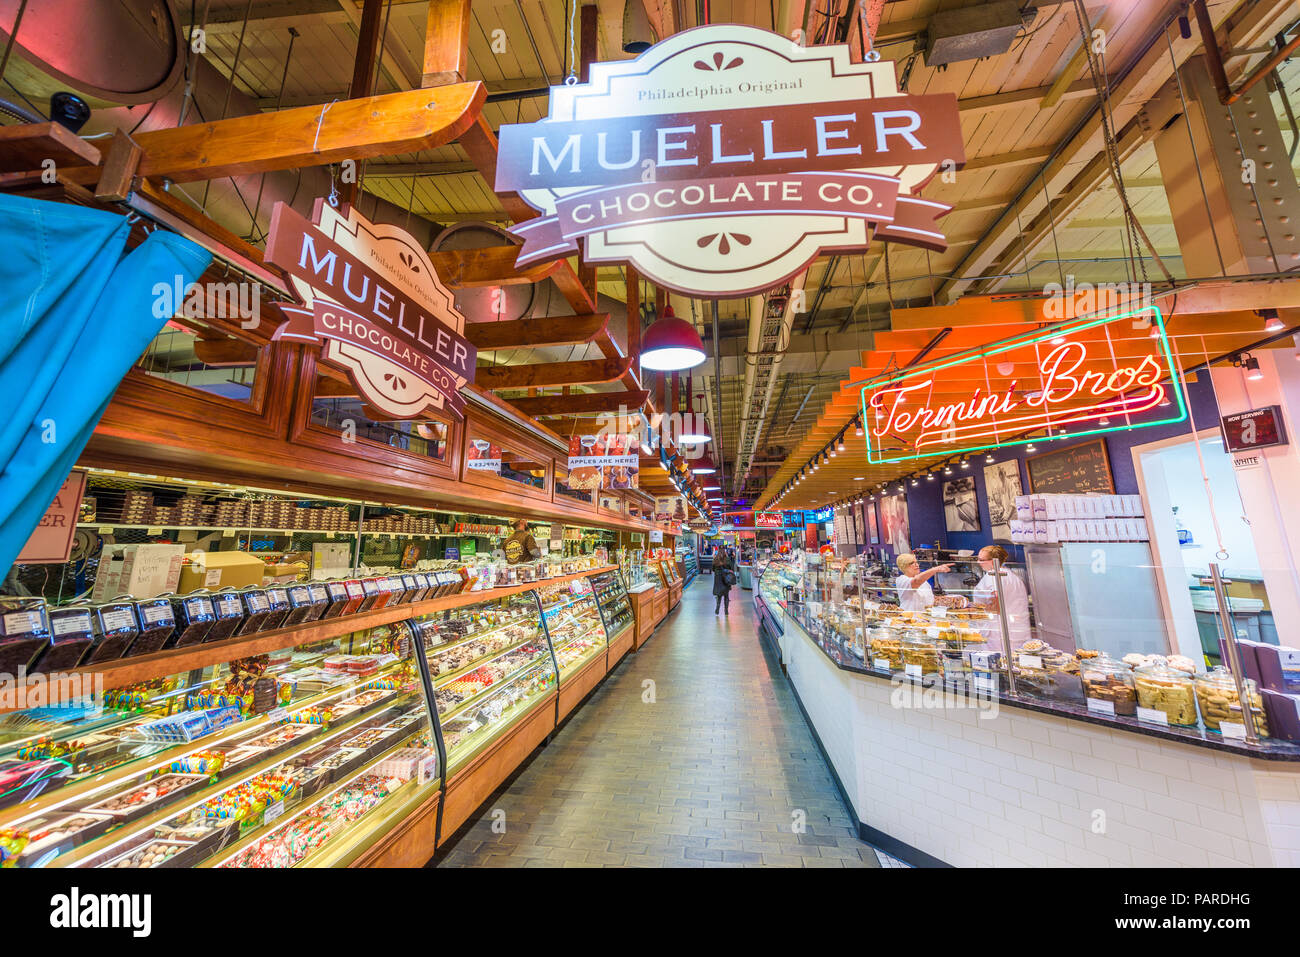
(671, 344)
(695, 430)
(638, 35)
(704, 465)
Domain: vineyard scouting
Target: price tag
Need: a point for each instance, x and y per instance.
(1103, 707)
(987, 683)
(387, 659)
(871, 605)
(105, 530)
(880, 664)
(1031, 662)
(938, 611)
(329, 534)
(22, 622)
(227, 533)
(912, 671)
(153, 531)
(1153, 716)
(276, 715)
(979, 660)
(1233, 729)
(273, 811)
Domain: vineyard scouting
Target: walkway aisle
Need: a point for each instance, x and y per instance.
(708, 775)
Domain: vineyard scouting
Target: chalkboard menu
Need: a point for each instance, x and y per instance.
(1079, 469)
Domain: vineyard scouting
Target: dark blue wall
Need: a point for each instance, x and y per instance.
(925, 499)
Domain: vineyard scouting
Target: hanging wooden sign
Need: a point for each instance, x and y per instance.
(723, 160)
(373, 299)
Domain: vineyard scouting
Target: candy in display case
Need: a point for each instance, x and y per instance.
(573, 622)
(488, 664)
(615, 610)
(238, 763)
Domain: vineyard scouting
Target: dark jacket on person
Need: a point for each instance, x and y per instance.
(722, 563)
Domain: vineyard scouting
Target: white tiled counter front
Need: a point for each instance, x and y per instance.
(1010, 787)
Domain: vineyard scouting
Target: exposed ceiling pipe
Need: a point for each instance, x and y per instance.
(757, 308)
(1214, 58)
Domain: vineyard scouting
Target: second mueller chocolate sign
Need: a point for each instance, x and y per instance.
(723, 160)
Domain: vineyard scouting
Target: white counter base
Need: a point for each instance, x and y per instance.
(1022, 788)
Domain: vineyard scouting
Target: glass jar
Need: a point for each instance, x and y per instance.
(886, 645)
(1105, 679)
(921, 654)
(1216, 693)
(1162, 688)
(1045, 672)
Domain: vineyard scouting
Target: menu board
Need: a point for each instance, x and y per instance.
(1080, 469)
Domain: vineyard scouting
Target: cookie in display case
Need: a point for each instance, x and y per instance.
(574, 624)
(241, 763)
(488, 663)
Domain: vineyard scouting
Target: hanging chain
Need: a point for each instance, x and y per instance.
(572, 78)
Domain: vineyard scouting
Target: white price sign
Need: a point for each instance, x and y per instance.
(1152, 716)
(880, 664)
(1101, 707)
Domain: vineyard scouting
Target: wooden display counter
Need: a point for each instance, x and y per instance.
(643, 614)
(621, 644)
(473, 784)
(410, 843)
(578, 685)
(660, 605)
(675, 594)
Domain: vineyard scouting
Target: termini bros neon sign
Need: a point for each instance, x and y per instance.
(1077, 376)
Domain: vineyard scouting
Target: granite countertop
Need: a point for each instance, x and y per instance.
(1268, 750)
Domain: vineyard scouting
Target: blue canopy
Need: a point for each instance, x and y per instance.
(75, 314)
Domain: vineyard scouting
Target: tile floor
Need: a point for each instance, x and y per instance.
(714, 772)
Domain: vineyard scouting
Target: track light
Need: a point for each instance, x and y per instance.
(1273, 322)
(988, 459)
(965, 463)
(929, 476)
(840, 446)
(1253, 372)
(859, 431)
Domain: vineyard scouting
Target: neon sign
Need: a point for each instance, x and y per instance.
(1081, 377)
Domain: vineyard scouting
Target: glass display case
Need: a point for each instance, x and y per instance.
(632, 566)
(670, 572)
(573, 623)
(770, 596)
(488, 663)
(689, 562)
(654, 576)
(306, 756)
(615, 609)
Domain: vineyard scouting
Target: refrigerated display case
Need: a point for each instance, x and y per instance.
(572, 618)
(616, 612)
(307, 755)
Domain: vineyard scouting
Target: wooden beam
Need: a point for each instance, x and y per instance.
(488, 266)
(587, 402)
(225, 352)
(446, 42)
(394, 123)
(23, 148)
(363, 70)
(580, 300)
(395, 63)
(120, 163)
(328, 387)
(1017, 158)
(480, 145)
(547, 374)
(537, 333)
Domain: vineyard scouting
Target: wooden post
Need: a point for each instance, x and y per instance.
(587, 53)
(363, 71)
(446, 42)
(633, 303)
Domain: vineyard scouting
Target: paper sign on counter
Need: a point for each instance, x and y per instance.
(1103, 707)
(1152, 716)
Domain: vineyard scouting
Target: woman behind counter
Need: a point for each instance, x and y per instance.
(1015, 599)
(914, 591)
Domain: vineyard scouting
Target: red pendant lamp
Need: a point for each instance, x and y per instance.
(671, 344)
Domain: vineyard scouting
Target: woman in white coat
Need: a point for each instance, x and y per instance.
(1015, 599)
(913, 585)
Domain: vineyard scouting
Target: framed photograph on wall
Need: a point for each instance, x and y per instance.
(1001, 486)
(893, 517)
(961, 510)
(873, 523)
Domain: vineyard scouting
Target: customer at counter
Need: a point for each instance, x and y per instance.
(914, 591)
(1015, 598)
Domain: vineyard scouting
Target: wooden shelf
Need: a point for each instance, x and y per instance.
(125, 671)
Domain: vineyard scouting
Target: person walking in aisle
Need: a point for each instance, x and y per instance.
(724, 576)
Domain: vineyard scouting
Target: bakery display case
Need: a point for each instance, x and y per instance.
(308, 755)
(488, 664)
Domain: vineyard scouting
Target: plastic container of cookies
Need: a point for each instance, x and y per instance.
(1110, 683)
(1162, 688)
(1216, 693)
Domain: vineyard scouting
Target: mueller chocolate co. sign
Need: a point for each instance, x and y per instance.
(1076, 378)
(373, 300)
(721, 161)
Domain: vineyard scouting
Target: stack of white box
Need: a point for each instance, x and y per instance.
(1046, 519)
